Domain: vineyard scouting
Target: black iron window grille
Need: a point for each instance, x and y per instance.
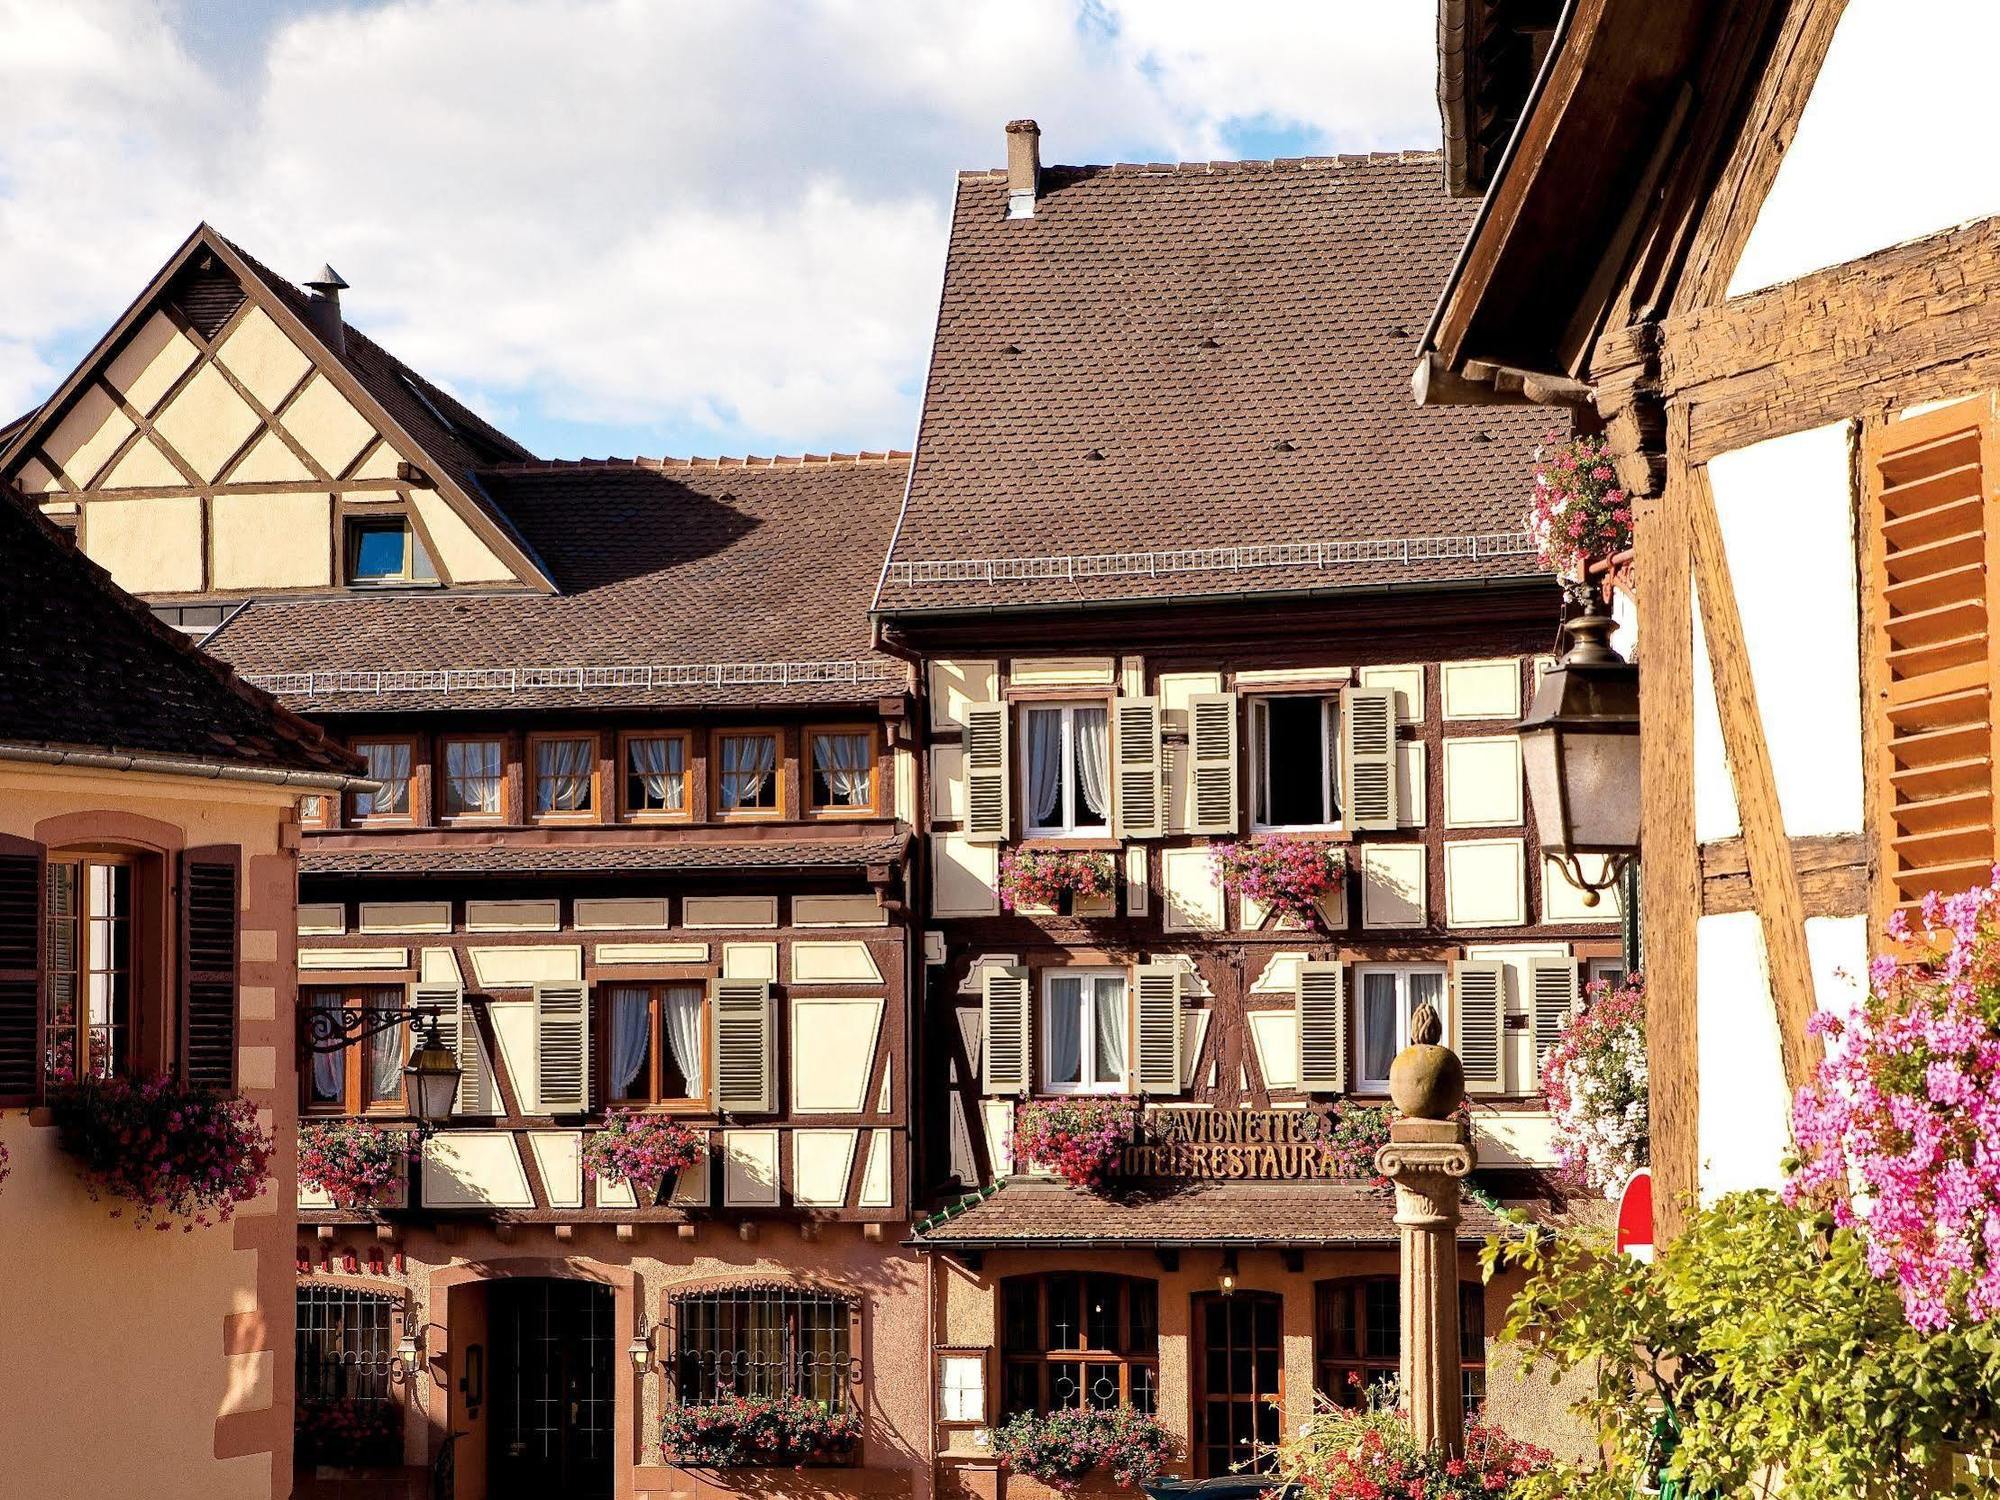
(1070, 1340)
(764, 1341)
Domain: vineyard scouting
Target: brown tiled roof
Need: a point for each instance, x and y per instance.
(1030, 1211)
(749, 580)
(1185, 366)
(83, 665)
(517, 859)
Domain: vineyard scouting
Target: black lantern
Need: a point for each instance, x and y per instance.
(1580, 749)
(430, 1082)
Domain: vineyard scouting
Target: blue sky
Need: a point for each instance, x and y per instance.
(628, 226)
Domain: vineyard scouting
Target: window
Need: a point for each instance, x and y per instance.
(1071, 1340)
(384, 550)
(565, 777)
(1292, 770)
(347, 1411)
(1083, 1031)
(474, 772)
(763, 1341)
(367, 1077)
(746, 779)
(962, 1387)
(87, 1026)
(658, 1037)
(1610, 970)
(1068, 787)
(1358, 1341)
(389, 767)
(842, 770)
(1388, 997)
(655, 770)
(316, 810)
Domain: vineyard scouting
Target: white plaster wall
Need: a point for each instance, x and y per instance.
(1744, 1109)
(1837, 949)
(1895, 141)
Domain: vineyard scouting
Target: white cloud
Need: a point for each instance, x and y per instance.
(712, 217)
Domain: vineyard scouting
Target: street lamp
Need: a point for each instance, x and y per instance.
(1580, 749)
(430, 1081)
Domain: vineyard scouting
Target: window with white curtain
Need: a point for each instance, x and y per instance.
(472, 778)
(656, 1039)
(1386, 997)
(656, 775)
(747, 776)
(843, 769)
(1067, 766)
(565, 777)
(1083, 1031)
(1292, 752)
(388, 766)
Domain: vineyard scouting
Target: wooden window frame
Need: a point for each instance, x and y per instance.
(604, 1027)
(1090, 974)
(984, 1353)
(352, 523)
(1330, 1371)
(1334, 795)
(814, 808)
(353, 1103)
(531, 778)
(1045, 1358)
(142, 988)
(1402, 969)
(629, 814)
(408, 818)
(1070, 831)
(780, 775)
(441, 781)
(326, 818)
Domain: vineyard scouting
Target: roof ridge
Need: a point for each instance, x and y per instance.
(747, 461)
(1406, 155)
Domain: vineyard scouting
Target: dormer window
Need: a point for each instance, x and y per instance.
(384, 550)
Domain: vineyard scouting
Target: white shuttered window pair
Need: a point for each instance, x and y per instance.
(1102, 1031)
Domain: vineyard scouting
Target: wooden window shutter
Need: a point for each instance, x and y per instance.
(1478, 1023)
(23, 870)
(986, 761)
(1931, 491)
(744, 1072)
(1321, 1002)
(1135, 749)
(458, 1029)
(1156, 1011)
(562, 1048)
(1212, 761)
(1552, 999)
(1368, 756)
(210, 879)
(1005, 1059)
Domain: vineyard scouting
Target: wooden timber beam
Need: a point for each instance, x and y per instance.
(1833, 872)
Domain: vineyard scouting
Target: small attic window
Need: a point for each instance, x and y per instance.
(384, 550)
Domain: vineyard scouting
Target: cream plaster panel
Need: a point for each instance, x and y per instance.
(833, 1046)
(260, 945)
(1062, 671)
(261, 355)
(35, 479)
(206, 423)
(750, 961)
(147, 546)
(953, 684)
(997, 1115)
(354, 958)
(1332, 911)
(513, 1023)
(1176, 688)
(323, 920)
(948, 783)
(256, 1067)
(1280, 974)
(615, 1195)
(1482, 689)
(1270, 677)
(691, 1187)
(964, 877)
(834, 963)
(1743, 1109)
(876, 1191)
(269, 460)
(272, 541)
(1180, 787)
(1482, 782)
(513, 916)
(838, 911)
(904, 764)
(559, 1162)
(1485, 883)
(1194, 1031)
(1715, 815)
(1132, 676)
(151, 361)
(1408, 683)
(327, 426)
(473, 1169)
(1276, 1034)
(821, 1163)
(883, 1102)
(1393, 885)
(461, 552)
(1138, 890)
(730, 911)
(934, 947)
(1192, 897)
(87, 436)
(439, 966)
(1524, 1138)
(381, 463)
(312, 1197)
(517, 967)
(1412, 783)
(257, 1002)
(1564, 902)
(749, 1168)
(594, 914)
(652, 953)
(144, 466)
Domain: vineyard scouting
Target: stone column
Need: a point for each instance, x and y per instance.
(1427, 1160)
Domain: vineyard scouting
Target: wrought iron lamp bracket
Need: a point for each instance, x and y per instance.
(335, 1028)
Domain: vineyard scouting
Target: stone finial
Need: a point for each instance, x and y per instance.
(1426, 1081)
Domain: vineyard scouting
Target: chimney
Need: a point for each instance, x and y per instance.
(323, 308)
(1024, 167)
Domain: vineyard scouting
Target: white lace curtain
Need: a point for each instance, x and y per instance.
(841, 761)
(684, 1034)
(1044, 767)
(562, 775)
(389, 765)
(472, 771)
(659, 765)
(1089, 755)
(749, 762)
(632, 1037)
(1065, 1029)
(1093, 766)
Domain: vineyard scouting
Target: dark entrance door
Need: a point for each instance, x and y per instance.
(1237, 1417)
(550, 1388)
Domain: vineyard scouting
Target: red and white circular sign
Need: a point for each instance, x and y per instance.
(1635, 1216)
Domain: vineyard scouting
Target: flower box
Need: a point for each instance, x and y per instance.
(1065, 1449)
(356, 1165)
(1047, 881)
(1296, 878)
(163, 1150)
(1081, 1140)
(643, 1150)
(768, 1432)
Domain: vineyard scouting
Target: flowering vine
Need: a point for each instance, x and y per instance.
(765, 1431)
(1080, 1139)
(1065, 1447)
(355, 1164)
(1043, 877)
(1577, 513)
(167, 1150)
(1595, 1078)
(1288, 874)
(644, 1150)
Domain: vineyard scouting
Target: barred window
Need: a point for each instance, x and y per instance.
(764, 1341)
(1071, 1340)
(346, 1410)
(1358, 1338)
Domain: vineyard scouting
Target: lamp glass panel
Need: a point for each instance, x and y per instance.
(1601, 774)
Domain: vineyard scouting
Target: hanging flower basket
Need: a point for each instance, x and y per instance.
(1595, 1079)
(1065, 1447)
(1281, 871)
(1080, 1140)
(1054, 878)
(1577, 513)
(766, 1432)
(644, 1150)
(357, 1165)
(166, 1151)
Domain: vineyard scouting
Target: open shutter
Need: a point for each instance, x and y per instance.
(1004, 1058)
(1552, 1000)
(1368, 756)
(209, 919)
(1321, 1001)
(986, 760)
(22, 876)
(562, 1048)
(459, 1030)
(1156, 1011)
(744, 1074)
(1135, 750)
(1212, 761)
(1478, 1023)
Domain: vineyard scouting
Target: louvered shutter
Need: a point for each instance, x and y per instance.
(1156, 1012)
(23, 872)
(458, 1029)
(562, 1048)
(1368, 756)
(986, 760)
(1135, 752)
(1552, 1000)
(1321, 1001)
(1005, 1061)
(1478, 1023)
(209, 921)
(1931, 483)
(744, 1073)
(1212, 761)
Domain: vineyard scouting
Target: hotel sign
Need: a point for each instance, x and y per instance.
(1265, 1145)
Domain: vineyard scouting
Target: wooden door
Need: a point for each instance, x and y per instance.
(550, 1434)
(1238, 1367)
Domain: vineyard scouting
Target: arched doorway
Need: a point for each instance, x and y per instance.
(553, 1362)
(1238, 1391)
